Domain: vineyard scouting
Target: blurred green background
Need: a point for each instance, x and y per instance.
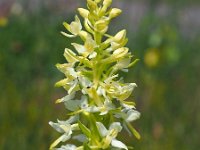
(163, 34)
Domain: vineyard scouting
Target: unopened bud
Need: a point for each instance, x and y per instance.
(120, 36)
(101, 26)
(83, 12)
(114, 13)
(120, 52)
(92, 5)
(107, 3)
(98, 1)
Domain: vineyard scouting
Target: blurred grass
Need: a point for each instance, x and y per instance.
(167, 77)
(28, 54)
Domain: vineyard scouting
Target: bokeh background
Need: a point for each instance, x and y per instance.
(163, 34)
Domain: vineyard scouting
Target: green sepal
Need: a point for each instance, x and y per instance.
(133, 130)
(84, 129)
(86, 147)
(133, 63)
(94, 128)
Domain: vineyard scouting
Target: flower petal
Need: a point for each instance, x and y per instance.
(116, 126)
(81, 138)
(132, 115)
(102, 129)
(67, 147)
(118, 144)
(79, 48)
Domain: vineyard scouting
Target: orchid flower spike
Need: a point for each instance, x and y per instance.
(97, 98)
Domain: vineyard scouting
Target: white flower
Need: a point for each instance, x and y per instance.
(75, 105)
(109, 136)
(70, 83)
(85, 82)
(75, 28)
(70, 56)
(87, 49)
(115, 89)
(123, 63)
(65, 128)
(108, 105)
(66, 98)
(118, 144)
(67, 147)
(78, 106)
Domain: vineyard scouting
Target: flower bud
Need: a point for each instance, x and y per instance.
(83, 12)
(107, 3)
(121, 52)
(98, 1)
(92, 5)
(120, 36)
(114, 13)
(101, 26)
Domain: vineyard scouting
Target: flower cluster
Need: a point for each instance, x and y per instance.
(96, 95)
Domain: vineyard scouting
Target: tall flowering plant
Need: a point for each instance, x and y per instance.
(96, 95)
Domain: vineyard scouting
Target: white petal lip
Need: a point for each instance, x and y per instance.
(118, 144)
(79, 48)
(67, 147)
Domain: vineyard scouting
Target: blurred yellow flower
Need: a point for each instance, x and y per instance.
(3, 21)
(151, 57)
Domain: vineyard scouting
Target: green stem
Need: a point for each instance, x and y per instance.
(97, 38)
